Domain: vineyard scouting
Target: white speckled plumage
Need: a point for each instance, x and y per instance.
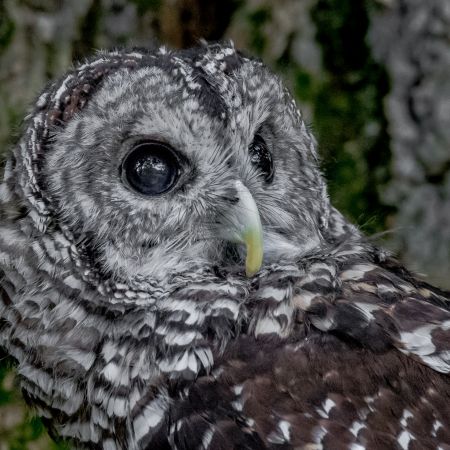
(131, 319)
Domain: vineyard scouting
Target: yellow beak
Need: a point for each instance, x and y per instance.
(254, 245)
(248, 229)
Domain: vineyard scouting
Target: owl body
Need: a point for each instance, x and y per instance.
(144, 183)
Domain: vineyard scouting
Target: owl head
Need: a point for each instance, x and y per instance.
(156, 162)
(147, 191)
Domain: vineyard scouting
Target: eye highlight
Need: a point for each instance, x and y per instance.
(151, 168)
(261, 157)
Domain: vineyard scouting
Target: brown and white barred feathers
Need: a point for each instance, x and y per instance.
(173, 275)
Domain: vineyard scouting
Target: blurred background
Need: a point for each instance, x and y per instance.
(371, 76)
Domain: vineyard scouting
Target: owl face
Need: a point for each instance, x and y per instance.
(170, 164)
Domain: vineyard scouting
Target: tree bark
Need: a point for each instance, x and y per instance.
(411, 37)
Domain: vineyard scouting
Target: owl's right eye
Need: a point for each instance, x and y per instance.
(151, 168)
(261, 157)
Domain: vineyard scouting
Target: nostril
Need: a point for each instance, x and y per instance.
(233, 199)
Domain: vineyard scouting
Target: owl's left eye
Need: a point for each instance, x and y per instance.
(261, 157)
(151, 168)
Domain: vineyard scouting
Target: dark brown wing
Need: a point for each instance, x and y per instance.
(365, 366)
(383, 305)
(322, 392)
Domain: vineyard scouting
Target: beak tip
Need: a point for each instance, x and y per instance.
(250, 273)
(253, 268)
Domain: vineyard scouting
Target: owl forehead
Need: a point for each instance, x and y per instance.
(221, 91)
(151, 101)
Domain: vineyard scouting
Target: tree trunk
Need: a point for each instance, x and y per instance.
(411, 37)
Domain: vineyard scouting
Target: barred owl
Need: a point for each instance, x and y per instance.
(173, 275)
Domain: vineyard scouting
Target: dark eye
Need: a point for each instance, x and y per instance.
(261, 157)
(151, 168)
